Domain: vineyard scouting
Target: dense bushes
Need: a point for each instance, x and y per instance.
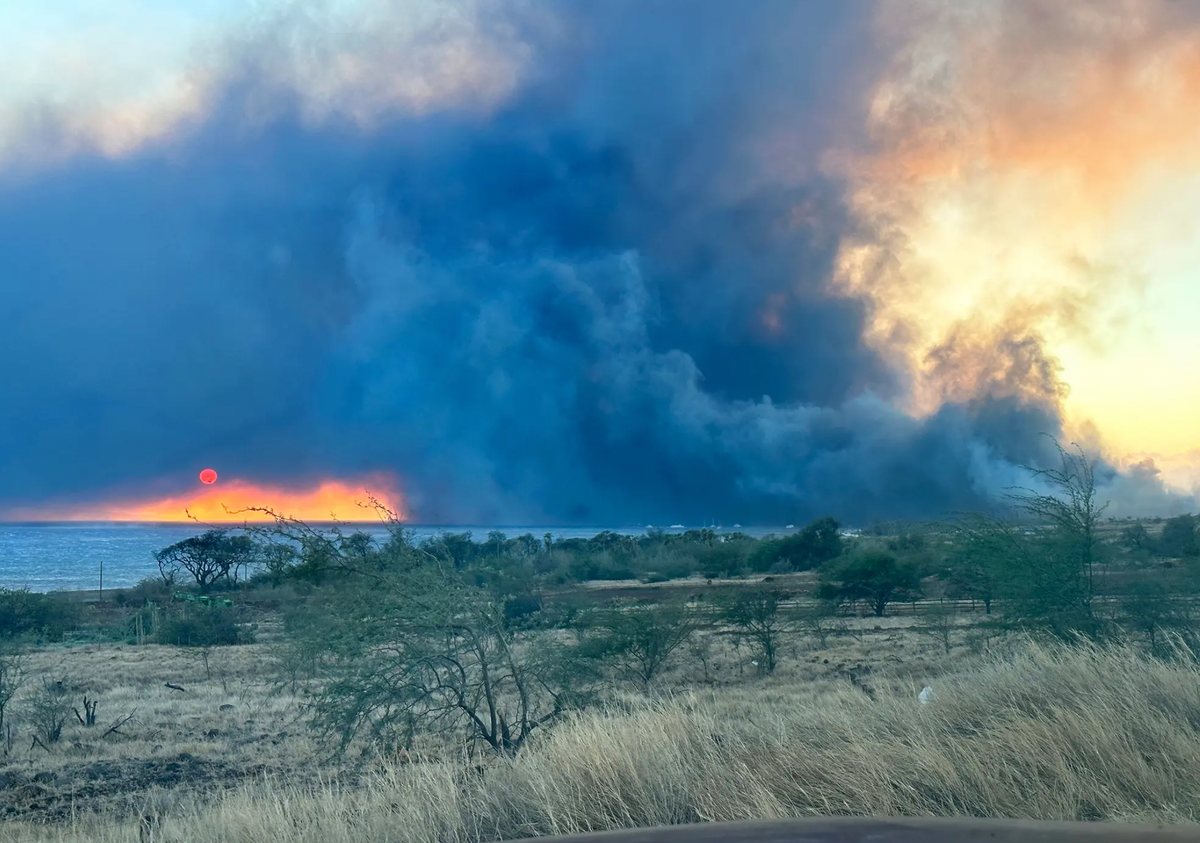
(723, 559)
(804, 550)
(44, 616)
(601, 566)
(1179, 537)
(150, 590)
(202, 626)
(300, 554)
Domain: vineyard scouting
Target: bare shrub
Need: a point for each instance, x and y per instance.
(754, 615)
(822, 621)
(49, 711)
(638, 643)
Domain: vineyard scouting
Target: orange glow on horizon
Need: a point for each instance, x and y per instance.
(227, 502)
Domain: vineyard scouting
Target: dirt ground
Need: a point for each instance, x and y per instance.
(227, 725)
(232, 723)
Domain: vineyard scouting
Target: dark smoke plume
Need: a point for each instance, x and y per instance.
(600, 298)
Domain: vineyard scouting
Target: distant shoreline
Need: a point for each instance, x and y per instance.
(47, 556)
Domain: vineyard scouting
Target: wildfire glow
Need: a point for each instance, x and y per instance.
(342, 500)
(1030, 202)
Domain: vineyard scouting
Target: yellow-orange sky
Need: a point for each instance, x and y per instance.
(1034, 173)
(342, 500)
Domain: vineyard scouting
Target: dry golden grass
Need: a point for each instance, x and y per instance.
(1029, 731)
(177, 740)
(129, 678)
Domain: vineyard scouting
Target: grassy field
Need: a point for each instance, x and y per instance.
(1016, 729)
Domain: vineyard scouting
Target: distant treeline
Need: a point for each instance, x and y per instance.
(218, 559)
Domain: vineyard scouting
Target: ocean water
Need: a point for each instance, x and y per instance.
(68, 556)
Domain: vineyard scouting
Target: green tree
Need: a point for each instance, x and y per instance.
(208, 558)
(202, 626)
(983, 546)
(767, 554)
(1178, 539)
(495, 545)
(357, 545)
(278, 561)
(458, 548)
(875, 576)
(722, 559)
(411, 641)
(525, 546)
(618, 545)
(585, 566)
(1051, 579)
(1136, 538)
(907, 542)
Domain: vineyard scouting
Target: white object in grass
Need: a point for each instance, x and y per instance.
(926, 694)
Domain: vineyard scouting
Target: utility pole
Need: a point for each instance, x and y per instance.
(101, 580)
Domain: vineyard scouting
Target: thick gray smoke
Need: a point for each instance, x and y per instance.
(601, 298)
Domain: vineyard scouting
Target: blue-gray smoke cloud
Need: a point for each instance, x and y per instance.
(550, 313)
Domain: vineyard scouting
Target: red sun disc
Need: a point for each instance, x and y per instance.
(208, 476)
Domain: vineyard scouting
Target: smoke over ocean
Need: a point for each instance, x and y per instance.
(548, 263)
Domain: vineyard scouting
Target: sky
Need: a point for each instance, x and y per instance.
(595, 262)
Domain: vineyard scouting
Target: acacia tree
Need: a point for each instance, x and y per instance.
(639, 642)
(1052, 581)
(207, 558)
(875, 576)
(823, 620)
(985, 548)
(403, 643)
(754, 615)
(1137, 538)
(940, 623)
(425, 651)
